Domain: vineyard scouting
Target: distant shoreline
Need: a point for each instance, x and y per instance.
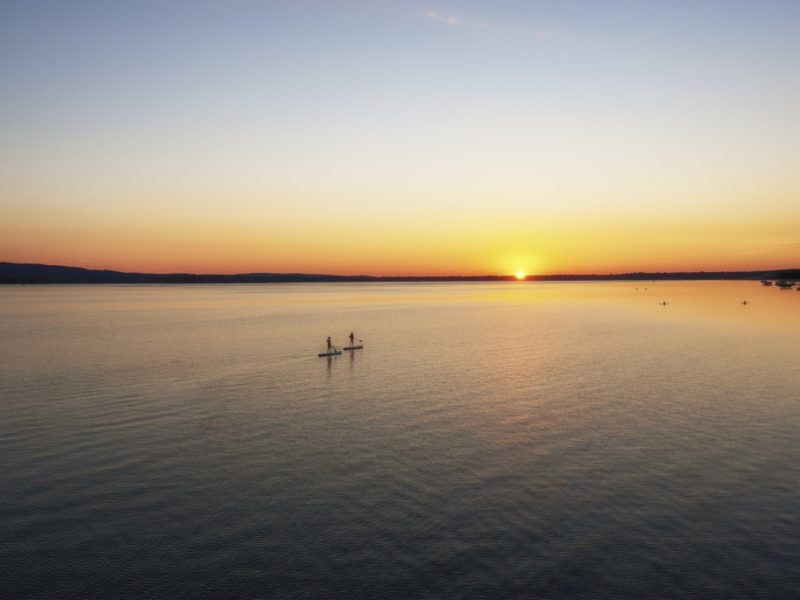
(23, 273)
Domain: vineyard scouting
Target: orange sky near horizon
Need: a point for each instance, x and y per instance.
(428, 249)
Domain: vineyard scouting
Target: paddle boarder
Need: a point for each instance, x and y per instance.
(351, 340)
(330, 347)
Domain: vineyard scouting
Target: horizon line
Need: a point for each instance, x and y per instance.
(10, 271)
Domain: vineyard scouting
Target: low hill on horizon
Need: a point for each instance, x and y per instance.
(34, 273)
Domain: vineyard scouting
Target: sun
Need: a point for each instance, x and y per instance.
(520, 275)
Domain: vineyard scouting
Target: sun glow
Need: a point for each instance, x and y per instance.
(520, 275)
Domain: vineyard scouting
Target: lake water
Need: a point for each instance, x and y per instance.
(492, 440)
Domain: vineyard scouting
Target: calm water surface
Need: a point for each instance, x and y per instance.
(531, 440)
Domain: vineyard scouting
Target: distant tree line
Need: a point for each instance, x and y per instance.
(20, 273)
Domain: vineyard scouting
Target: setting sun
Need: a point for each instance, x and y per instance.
(520, 275)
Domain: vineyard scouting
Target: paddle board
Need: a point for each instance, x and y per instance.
(336, 353)
(353, 347)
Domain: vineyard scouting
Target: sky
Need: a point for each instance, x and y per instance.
(400, 137)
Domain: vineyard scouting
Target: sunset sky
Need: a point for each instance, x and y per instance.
(400, 137)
